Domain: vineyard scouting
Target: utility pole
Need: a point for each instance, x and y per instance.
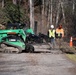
(31, 14)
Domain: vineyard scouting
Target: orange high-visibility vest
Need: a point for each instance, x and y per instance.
(60, 31)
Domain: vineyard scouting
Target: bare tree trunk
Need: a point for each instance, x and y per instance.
(31, 15)
(57, 17)
(48, 18)
(73, 6)
(47, 12)
(3, 3)
(42, 16)
(62, 10)
(14, 1)
(51, 13)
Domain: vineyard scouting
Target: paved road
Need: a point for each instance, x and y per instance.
(44, 63)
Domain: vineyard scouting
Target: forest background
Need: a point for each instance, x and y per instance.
(42, 13)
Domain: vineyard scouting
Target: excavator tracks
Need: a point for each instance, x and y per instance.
(6, 49)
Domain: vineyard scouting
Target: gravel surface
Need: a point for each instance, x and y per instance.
(38, 63)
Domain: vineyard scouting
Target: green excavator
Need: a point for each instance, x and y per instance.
(14, 40)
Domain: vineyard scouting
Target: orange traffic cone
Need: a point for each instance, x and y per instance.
(71, 42)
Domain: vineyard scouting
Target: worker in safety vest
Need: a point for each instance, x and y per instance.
(59, 32)
(52, 36)
(59, 35)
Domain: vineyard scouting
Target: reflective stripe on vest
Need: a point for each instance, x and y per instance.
(52, 33)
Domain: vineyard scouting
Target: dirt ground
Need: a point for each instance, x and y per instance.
(42, 62)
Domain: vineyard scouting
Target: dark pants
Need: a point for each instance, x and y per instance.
(59, 42)
(53, 44)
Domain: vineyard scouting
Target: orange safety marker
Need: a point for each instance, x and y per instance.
(71, 42)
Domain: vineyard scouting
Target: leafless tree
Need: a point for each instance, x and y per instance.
(3, 3)
(31, 14)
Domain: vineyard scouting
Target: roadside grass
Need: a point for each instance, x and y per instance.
(71, 56)
(70, 51)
